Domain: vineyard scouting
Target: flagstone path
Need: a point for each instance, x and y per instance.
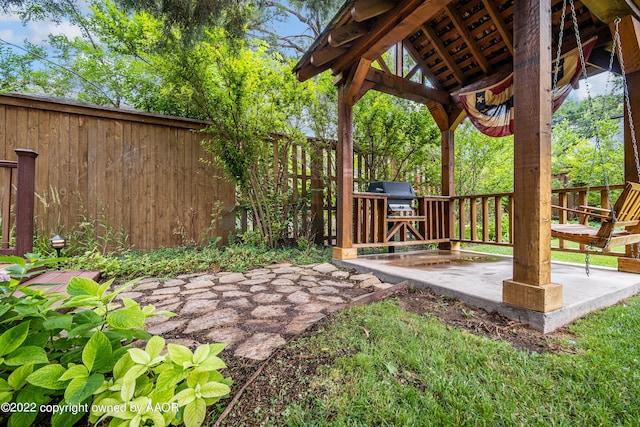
(253, 312)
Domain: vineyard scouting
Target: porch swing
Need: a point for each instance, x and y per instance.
(621, 225)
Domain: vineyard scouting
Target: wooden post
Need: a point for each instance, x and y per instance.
(630, 42)
(25, 200)
(630, 263)
(531, 286)
(448, 187)
(344, 170)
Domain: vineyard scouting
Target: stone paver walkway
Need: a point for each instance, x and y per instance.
(253, 312)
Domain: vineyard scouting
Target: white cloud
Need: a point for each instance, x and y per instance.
(38, 32)
(7, 35)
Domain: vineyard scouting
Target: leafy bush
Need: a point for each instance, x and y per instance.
(63, 357)
(189, 259)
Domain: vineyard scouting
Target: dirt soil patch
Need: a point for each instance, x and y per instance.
(281, 378)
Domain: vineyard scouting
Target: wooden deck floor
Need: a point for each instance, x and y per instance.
(56, 281)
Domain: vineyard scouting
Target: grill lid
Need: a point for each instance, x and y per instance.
(399, 194)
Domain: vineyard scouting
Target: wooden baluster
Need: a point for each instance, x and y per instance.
(497, 202)
(462, 220)
(473, 218)
(485, 219)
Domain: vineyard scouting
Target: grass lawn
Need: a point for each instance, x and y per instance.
(392, 368)
(594, 258)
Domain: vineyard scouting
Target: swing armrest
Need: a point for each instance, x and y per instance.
(591, 208)
(584, 212)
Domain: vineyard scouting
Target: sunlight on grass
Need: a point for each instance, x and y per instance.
(406, 369)
(594, 258)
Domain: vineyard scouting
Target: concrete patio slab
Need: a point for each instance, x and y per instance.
(476, 279)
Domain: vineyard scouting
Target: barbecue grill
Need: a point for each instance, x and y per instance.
(400, 196)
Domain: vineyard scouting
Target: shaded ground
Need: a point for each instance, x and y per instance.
(281, 380)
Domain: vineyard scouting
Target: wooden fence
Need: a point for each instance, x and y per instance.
(140, 173)
(310, 172)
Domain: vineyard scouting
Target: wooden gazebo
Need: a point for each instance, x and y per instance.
(457, 46)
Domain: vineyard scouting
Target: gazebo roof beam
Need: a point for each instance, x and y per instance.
(468, 39)
(608, 10)
(501, 26)
(433, 80)
(403, 88)
(444, 54)
(326, 55)
(367, 9)
(391, 27)
(348, 33)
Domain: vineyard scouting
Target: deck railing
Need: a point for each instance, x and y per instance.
(488, 218)
(373, 226)
(20, 176)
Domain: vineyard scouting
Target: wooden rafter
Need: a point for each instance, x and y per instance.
(426, 71)
(367, 9)
(403, 88)
(326, 55)
(431, 35)
(390, 27)
(380, 61)
(608, 10)
(468, 39)
(630, 41)
(495, 15)
(348, 33)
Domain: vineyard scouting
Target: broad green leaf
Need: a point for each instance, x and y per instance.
(47, 377)
(135, 371)
(81, 388)
(7, 259)
(194, 413)
(97, 352)
(128, 389)
(105, 286)
(128, 302)
(200, 354)
(140, 357)
(86, 316)
(197, 377)
(180, 355)
(73, 372)
(127, 318)
(122, 366)
(6, 396)
(13, 338)
(215, 349)
(66, 418)
(79, 286)
(82, 329)
(18, 378)
(22, 419)
(169, 378)
(155, 346)
(27, 355)
(185, 397)
(58, 322)
(213, 389)
(211, 364)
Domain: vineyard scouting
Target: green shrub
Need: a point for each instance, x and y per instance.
(63, 357)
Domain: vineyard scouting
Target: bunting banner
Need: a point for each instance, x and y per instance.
(491, 109)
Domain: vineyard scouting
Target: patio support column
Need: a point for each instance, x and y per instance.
(630, 41)
(448, 185)
(531, 286)
(344, 170)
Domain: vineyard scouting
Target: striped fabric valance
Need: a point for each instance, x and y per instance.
(491, 109)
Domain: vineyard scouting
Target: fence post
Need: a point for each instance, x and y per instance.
(317, 195)
(25, 201)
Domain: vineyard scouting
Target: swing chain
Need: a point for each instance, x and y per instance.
(586, 258)
(559, 53)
